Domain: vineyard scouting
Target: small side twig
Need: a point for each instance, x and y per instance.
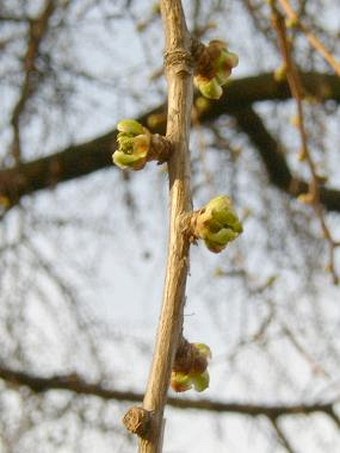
(37, 32)
(297, 91)
(80, 386)
(138, 421)
(312, 38)
(281, 436)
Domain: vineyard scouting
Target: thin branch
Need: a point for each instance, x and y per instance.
(314, 364)
(296, 88)
(179, 71)
(281, 436)
(312, 38)
(85, 158)
(334, 416)
(15, 19)
(37, 31)
(273, 157)
(74, 383)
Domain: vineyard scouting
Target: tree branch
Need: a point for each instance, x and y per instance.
(312, 38)
(74, 383)
(83, 159)
(281, 436)
(273, 157)
(297, 91)
(38, 29)
(178, 61)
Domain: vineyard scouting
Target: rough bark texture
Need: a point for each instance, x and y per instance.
(178, 62)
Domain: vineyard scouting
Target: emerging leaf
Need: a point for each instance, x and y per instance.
(134, 143)
(217, 224)
(200, 381)
(211, 89)
(180, 382)
(214, 69)
(131, 127)
(195, 375)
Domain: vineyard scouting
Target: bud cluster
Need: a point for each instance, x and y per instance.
(137, 146)
(190, 367)
(133, 145)
(216, 223)
(214, 67)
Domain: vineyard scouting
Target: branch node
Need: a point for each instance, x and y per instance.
(160, 149)
(137, 420)
(180, 60)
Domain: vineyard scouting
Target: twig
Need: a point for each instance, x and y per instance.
(282, 437)
(316, 367)
(334, 416)
(76, 384)
(273, 156)
(178, 62)
(296, 88)
(82, 159)
(312, 38)
(37, 31)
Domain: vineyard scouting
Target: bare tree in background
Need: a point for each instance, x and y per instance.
(74, 345)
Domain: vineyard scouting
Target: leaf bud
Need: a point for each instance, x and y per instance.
(217, 224)
(133, 145)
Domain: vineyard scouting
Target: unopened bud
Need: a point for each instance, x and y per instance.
(217, 224)
(201, 381)
(214, 67)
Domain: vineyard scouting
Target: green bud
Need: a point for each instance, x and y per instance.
(200, 381)
(218, 241)
(200, 362)
(124, 161)
(133, 145)
(126, 144)
(209, 88)
(202, 104)
(203, 350)
(130, 127)
(224, 64)
(222, 76)
(196, 375)
(214, 68)
(217, 224)
(180, 382)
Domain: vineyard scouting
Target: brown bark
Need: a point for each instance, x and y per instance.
(83, 159)
(74, 383)
(178, 61)
(38, 29)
